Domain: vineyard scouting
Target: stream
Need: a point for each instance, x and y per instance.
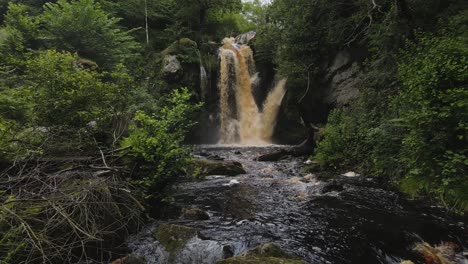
(345, 220)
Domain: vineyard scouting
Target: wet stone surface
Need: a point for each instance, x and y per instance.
(347, 220)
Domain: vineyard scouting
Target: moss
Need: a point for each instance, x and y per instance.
(173, 237)
(185, 49)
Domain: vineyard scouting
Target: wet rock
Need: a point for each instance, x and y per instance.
(130, 259)
(194, 214)
(215, 157)
(210, 167)
(232, 183)
(228, 252)
(267, 250)
(351, 174)
(264, 254)
(309, 178)
(332, 186)
(174, 237)
(274, 156)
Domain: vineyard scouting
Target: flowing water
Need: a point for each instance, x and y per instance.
(346, 220)
(242, 121)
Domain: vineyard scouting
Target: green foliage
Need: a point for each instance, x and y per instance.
(157, 139)
(84, 27)
(18, 34)
(416, 135)
(433, 109)
(67, 94)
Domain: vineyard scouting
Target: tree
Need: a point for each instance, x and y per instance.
(195, 13)
(84, 27)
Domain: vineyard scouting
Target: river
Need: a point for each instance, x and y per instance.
(345, 220)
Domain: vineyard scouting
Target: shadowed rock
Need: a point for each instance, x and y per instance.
(264, 254)
(211, 167)
(194, 214)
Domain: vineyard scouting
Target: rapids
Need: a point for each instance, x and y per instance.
(346, 220)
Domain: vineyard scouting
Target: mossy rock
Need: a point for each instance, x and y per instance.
(173, 237)
(194, 214)
(267, 250)
(211, 167)
(264, 254)
(262, 260)
(185, 49)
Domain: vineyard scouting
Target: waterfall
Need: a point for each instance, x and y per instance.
(203, 79)
(241, 119)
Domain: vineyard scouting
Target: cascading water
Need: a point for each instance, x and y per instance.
(242, 121)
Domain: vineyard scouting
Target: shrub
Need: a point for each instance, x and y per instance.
(157, 140)
(433, 109)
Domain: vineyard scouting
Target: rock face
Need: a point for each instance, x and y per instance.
(344, 81)
(171, 65)
(211, 167)
(264, 254)
(179, 65)
(336, 86)
(244, 39)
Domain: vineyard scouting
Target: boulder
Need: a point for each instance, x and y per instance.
(194, 214)
(171, 65)
(173, 237)
(264, 254)
(211, 167)
(267, 250)
(273, 156)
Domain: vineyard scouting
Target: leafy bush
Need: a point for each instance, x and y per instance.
(67, 94)
(433, 108)
(157, 140)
